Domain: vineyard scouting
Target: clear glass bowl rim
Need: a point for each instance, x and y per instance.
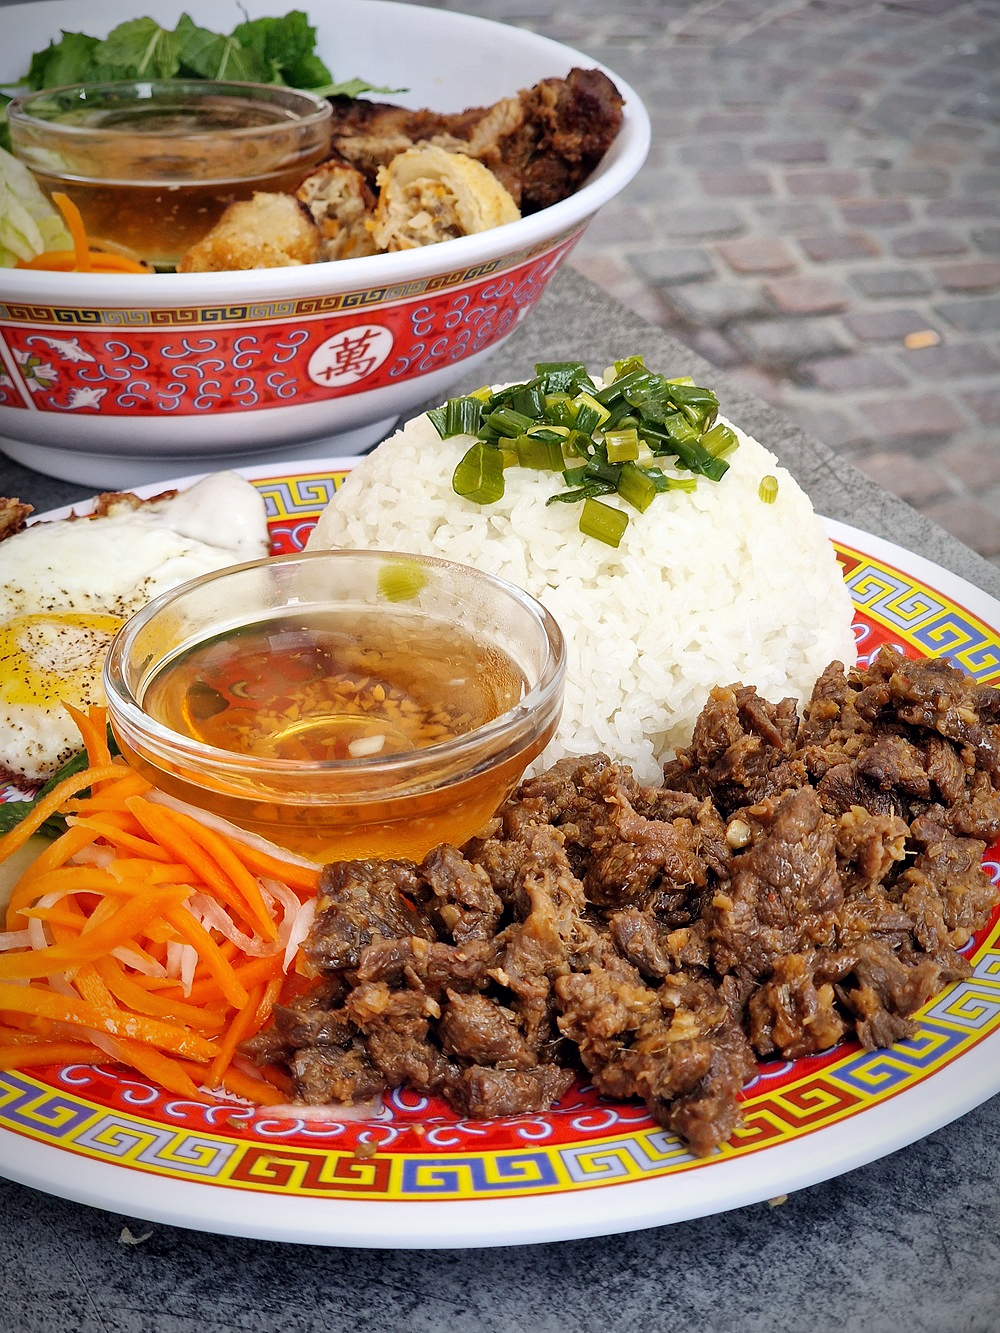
(19, 110)
(490, 742)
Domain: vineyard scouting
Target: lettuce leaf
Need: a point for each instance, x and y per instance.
(28, 222)
(278, 50)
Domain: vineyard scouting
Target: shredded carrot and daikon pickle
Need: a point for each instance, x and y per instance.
(142, 935)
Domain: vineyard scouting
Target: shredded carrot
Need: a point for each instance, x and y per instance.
(128, 960)
(79, 1013)
(24, 1055)
(203, 848)
(95, 737)
(246, 1085)
(122, 838)
(192, 932)
(83, 257)
(241, 1027)
(122, 924)
(158, 822)
(269, 867)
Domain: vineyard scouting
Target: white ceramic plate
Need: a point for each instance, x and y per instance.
(590, 1167)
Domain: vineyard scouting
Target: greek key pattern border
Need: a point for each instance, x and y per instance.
(26, 312)
(925, 619)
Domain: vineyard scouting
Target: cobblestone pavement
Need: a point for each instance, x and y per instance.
(820, 216)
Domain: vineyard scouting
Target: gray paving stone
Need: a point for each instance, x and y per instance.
(853, 374)
(885, 325)
(891, 282)
(712, 304)
(667, 267)
(972, 316)
(792, 217)
(928, 243)
(704, 220)
(977, 276)
(955, 361)
(786, 342)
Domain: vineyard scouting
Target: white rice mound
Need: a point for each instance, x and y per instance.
(706, 588)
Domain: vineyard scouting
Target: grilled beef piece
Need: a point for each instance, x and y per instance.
(800, 880)
(361, 902)
(541, 144)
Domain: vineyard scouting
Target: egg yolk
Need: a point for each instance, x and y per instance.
(48, 657)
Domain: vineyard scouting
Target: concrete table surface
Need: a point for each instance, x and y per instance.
(911, 1241)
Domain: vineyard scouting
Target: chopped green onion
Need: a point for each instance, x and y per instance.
(589, 412)
(562, 376)
(458, 416)
(585, 492)
(603, 522)
(438, 417)
(479, 474)
(528, 399)
(601, 470)
(579, 445)
(573, 476)
(401, 580)
(544, 455)
(768, 489)
(720, 440)
(622, 445)
(505, 421)
(618, 431)
(636, 487)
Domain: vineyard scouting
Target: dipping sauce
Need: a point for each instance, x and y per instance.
(153, 165)
(334, 687)
(343, 704)
(343, 687)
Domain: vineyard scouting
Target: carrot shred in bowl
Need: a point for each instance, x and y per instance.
(83, 257)
(140, 936)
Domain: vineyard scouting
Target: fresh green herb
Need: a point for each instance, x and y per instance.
(278, 50)
(620, 431)
(12, 812)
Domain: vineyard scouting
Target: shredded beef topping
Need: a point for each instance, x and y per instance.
(798, 881)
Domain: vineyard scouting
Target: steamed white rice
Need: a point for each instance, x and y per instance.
(707, 588)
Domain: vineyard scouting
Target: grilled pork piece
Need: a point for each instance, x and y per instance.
(541, 144)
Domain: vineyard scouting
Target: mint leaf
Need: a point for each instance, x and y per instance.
(70, 60)
(351, 88)
(288, 44)
(139, 49)
(209, 55)
(265, 50)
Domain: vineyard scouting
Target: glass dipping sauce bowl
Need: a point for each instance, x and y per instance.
(379, 796)
(152, 165)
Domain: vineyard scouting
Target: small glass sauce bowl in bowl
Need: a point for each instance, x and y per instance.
(151, 165)
(342, 704)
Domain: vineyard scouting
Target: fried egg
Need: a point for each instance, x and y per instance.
(67, 586)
